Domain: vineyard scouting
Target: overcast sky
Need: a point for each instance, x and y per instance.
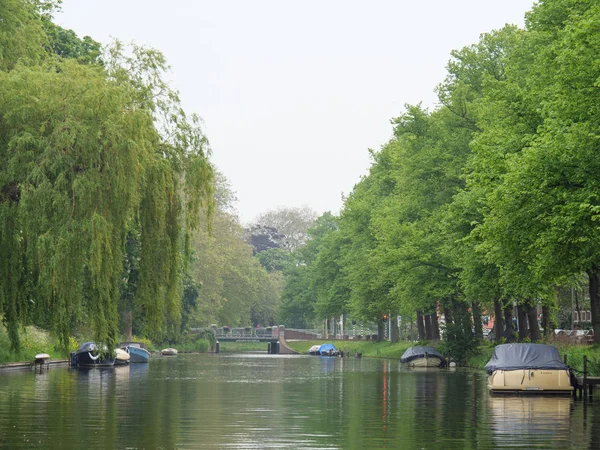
(294, 93)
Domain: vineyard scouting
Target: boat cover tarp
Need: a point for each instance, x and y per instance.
(87, 347)
(525, 356)
(419, 352)
(327, 348)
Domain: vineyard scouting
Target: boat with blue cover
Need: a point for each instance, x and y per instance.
(323, 350)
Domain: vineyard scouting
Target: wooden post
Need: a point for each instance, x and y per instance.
(585, 385)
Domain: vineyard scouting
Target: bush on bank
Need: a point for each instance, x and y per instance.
(34, 341)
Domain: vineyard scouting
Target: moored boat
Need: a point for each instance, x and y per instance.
(422, 356)
(41, 358)
(89, 355)
(121, 357)
(169, 351)
(137, 352)
(314, 350)
(528, 368)
(328, 350)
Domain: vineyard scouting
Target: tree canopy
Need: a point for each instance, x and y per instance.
(490, 199)
(90, 153)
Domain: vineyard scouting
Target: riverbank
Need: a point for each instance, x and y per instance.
(386, 349)
(38, 341)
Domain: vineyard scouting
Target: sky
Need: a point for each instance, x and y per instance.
(293, 94)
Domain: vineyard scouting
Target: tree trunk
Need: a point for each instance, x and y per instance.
(420, 326)
(428, 329)
(522, 319)
(594, 276)
(436, 326)
(380, 330)
(508, 320)
(127, 320)
(534, 328)
(546, 321)
(498, 322)
(477, 324)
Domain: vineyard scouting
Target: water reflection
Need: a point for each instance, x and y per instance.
(531, 421)
(254, 401)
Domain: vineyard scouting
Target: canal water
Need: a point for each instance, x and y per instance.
(260, 401)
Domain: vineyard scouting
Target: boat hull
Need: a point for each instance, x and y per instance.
(121, 357)
(138, 355)
(425, 361)
(90, 355)
(530, 381)
(169, 352)
(87, 359)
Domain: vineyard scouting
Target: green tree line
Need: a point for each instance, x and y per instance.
(489, 200)
(102, 179)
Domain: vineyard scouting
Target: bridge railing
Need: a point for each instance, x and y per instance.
(245, 333)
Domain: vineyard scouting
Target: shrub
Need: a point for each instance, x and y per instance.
(459, 340)
(147, 342)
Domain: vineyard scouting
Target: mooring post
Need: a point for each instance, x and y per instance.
(586, 388)
(217, 347)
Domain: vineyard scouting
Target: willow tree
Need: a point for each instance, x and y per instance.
(22, 36)
(88, 153)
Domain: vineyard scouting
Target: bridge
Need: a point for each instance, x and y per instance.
(275, 336)
(226, 334)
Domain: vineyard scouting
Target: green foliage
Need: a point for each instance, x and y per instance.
(66, 44)
(313, 285)
(459, 340)
(276, 259)
(297, 300)
(365, 348)
(236, 288)
(575, 354)
(481, 356)
(22, 37)
(92, 157)
(33, 341)
(147, 342)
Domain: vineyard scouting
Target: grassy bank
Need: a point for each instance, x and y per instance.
(33, 341)
(240, 347)
(372, 349)
(478, 360)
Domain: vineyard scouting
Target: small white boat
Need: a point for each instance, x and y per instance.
(169, 351)
(42, 358)
(121, 357)
(314, 350)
